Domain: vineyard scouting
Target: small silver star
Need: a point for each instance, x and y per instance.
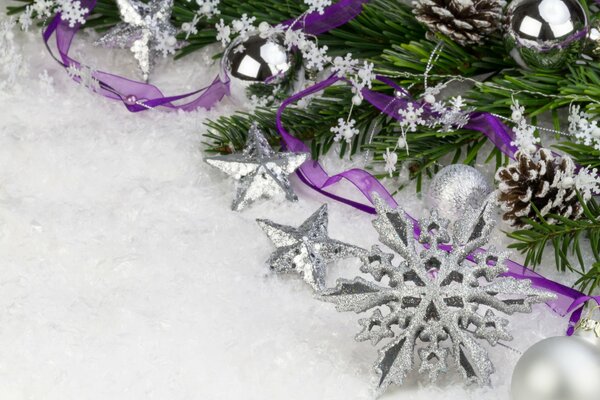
(146, 30)
(308, 249)
(262, 173)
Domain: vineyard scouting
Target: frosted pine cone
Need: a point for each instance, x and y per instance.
(546, 181)
(464, 21)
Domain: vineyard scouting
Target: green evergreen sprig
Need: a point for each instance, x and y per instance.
(568, 238)
(387, 34)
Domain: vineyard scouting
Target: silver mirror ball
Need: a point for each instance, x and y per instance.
(257, 59)
(546, 34)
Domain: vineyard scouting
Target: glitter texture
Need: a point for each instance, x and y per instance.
(457, 191)
(433, 298)
(262, 173)
(146, 30)
(307, 249)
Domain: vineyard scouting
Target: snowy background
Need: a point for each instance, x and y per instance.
(124, 274)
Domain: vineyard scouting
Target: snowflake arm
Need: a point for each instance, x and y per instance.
(434, 298)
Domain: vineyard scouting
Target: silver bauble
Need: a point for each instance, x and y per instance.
(258, 59)
(458, 190)
(559, 368)
(546, 35)
(593, 43)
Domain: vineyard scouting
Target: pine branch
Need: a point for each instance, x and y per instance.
(567, 237)
(586, 156)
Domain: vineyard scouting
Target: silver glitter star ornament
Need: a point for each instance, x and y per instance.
(308, 249)
(146, 30)
(261, 172)
(437, 302)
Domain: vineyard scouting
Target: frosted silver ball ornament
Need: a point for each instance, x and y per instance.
(259, 59)
(560, 368)
(457, 190)
(546, 35)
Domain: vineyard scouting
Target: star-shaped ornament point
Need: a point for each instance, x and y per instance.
(261, 172)
(308, 249)
(146, 31)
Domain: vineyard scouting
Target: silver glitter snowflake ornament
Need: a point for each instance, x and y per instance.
(437, 302)
(146, 30)
(308, 249)
(261, 172)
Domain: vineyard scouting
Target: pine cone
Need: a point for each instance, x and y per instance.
(464, 21)
(541, 179)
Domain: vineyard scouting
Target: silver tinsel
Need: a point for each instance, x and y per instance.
(146, 30)
(308, 249)
(434, 299)
(262, 173)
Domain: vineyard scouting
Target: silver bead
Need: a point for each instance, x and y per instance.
(131, 100)
(559, 368)
(457, 190)
(258, 59)
(546, 34)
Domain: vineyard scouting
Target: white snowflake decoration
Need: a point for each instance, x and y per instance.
(223, 33)
(243, 26)
(583, 128)
(315, 57)
(317, 5)
(345, 130)
(84, 75)
(12, 64)
(165, 43)
(448, 117)
(587, 182)
(26, 18)
(391, 160)
(433, 301)
(43, 8)
(344, 66)
(208, 8)
(411, 117)
(190, 28)
(525, 139)
(72, 11)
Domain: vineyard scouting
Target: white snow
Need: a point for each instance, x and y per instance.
(124, 274)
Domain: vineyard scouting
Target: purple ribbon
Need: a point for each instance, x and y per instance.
(137, 96)
(313, 175)
(333, 17)
(140, 96)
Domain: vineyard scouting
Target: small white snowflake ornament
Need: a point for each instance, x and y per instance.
(317, 5)
(434, 303)
(345, 130)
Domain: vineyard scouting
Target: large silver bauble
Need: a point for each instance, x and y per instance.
(559, 368)
(257, 59)
(546, 35)
(458, 190)
(593, 43)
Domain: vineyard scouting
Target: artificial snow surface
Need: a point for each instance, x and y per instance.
(124, 274)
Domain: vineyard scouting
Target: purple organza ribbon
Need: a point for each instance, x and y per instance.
(313, 175)
(333, 16)
(139, 96)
